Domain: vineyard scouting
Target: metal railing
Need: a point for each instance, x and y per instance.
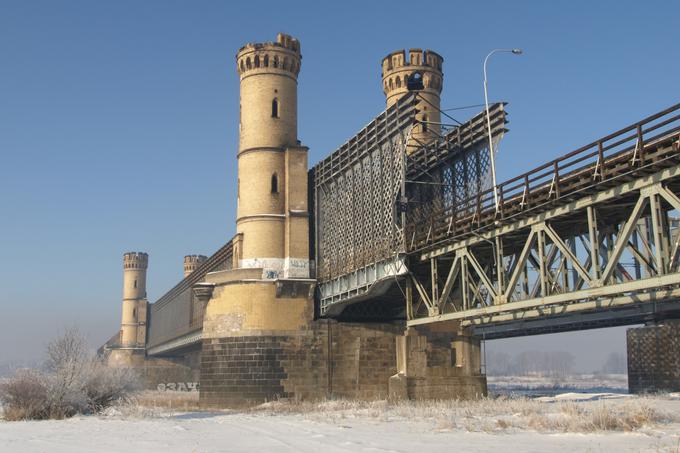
(631, 150)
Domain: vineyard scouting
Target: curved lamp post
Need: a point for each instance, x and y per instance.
(488, 121)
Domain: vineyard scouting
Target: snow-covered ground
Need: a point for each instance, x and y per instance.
(570, 422)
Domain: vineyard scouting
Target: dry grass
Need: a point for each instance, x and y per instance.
(168, 400)
(488, 415)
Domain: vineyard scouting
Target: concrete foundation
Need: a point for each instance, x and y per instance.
(654, 358)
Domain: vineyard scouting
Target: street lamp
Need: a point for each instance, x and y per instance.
(488, 122)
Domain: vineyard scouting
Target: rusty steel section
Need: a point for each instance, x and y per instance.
(448, 174)
(178, 312)
(355, 191)
(368, 190)
(592, 233)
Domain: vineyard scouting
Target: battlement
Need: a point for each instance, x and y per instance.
(283, 55)
(419, 58)
(135, 260)
(397, 68)
(194, 259)
(192, 262)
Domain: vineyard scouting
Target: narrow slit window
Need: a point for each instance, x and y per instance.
(135, 283)
(275, 184)
(424, 123)
(275, 108)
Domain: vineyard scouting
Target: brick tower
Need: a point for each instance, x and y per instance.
(425, 67)
(133, 324)
(265, 301)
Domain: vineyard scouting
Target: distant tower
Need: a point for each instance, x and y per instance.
(426, 65)
(272, 218)
(133, 326)
(192, 262)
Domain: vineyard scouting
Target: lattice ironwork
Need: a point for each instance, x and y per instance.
(356, 191)
(451, 182)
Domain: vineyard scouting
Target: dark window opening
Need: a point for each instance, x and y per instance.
(275, 184)
(424, 123)
(135, 283)
(275, 108)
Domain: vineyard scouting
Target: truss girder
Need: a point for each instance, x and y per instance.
(593, 238)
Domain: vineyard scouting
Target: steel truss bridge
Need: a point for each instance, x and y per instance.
(586, 240)
(409, 230)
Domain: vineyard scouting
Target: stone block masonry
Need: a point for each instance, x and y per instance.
(328, 359)
(654, 358)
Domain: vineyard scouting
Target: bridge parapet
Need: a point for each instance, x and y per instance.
(586, 233)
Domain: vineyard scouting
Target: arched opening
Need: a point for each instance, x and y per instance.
(257, 61)
(398, 82)
(415, 82)
(276, 61)
(248, 65)
(275, 108)
(266, 61)
(275, 183)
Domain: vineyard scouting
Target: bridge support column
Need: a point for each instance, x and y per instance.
(438, 361)
(654, 358)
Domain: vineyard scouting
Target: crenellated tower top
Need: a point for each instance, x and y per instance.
(135, 260)
(192, 262)
(396, 70)
(282, 56)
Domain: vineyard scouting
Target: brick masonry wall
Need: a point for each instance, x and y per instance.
(654, 358)
(330, 358)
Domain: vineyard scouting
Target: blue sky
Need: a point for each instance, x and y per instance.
(118, 120)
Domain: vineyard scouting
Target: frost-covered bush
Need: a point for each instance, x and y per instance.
(24, 396)
(73, 382)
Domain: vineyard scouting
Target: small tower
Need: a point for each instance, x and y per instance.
(192, 262)
(133, 325)
(398, 72)
(272, 218)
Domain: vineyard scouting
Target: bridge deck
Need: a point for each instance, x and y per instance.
(588, 233)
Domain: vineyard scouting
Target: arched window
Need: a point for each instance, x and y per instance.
(243, 67)
(257, 61)
(266, 61)
(275, 108)
(276, 61)
(275, 184)
(248, 65)
(398, 82)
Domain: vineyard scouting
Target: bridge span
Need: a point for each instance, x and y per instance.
(587, 240)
